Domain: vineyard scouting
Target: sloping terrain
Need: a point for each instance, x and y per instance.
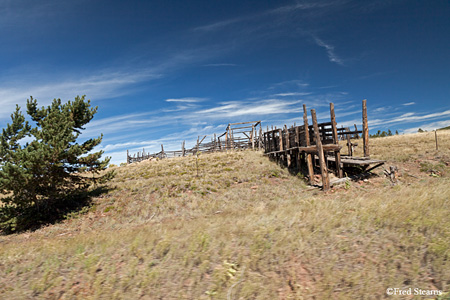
(238, 226)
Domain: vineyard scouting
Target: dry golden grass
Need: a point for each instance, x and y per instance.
(245, 229)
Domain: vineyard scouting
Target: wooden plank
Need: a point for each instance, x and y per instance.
(365, 129)
(323, 165)
(337, 154)
(309, 162)
(357, 161)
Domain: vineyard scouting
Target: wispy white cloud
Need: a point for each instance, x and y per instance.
(429, 126)
(291, 94)
(288, 84)
(409, 118)
(332, 56)
(282, 10)
(409, 103)
(186, 100)
(242, 108)
(99, 86)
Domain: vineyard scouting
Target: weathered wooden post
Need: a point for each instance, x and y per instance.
(435, 137)
(128, 157)
(308, 143)
(323, 165)
(226, 139)
(297, 153)
(280, 134)
(365, 129)
(232, 138)
(214, 142)
(260, 145)
(337, 153)
(356, 132)
(349, 142)
(162, 151)
(183, 151)
(288, 155)
(252, 137)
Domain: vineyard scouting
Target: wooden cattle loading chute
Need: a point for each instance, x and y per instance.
(306, 147)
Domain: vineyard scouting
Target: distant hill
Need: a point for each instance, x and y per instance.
(444, 128)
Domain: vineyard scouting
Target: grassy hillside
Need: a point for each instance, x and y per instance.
(244, 228)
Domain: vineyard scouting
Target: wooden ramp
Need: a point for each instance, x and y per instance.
(353, 161)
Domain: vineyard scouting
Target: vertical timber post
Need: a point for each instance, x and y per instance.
(226, 138)
(288, 154)
(365, 129)
(182, 149)
(337, 153)
(308, 143)
(260, 145)
(356, 132)
(280, 133)
(252, 136)
(297, 152)
(128, 157)
(323, 165)
(435, 137)
(349, 142)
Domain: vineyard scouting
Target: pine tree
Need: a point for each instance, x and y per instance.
(51, 167)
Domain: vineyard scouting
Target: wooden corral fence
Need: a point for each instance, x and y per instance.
(243, 135)
(306, 147)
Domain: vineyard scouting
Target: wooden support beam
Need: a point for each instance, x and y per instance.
(337, 154)
(280, 140)
(128, 157)
(260, 137)
(323, 165)
(309, 163)
(365, 129)
(183, 150)
(288, 154)
(349, 143)
(356, 134)
(232, 139)
(297, 144)
(252, 137)
(274, 141)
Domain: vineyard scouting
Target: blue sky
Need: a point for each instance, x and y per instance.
(167, 71)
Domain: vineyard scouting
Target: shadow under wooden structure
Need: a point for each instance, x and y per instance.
(308, 147)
